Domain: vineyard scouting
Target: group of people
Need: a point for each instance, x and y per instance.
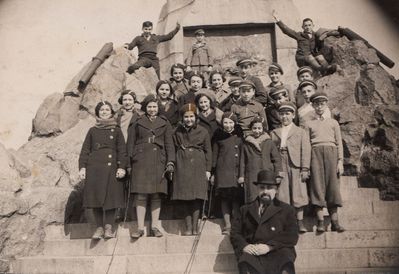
(261, 147)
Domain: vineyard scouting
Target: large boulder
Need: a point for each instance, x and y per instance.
(61, 111)
(363, 98)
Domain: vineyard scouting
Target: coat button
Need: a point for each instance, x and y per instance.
(109, 164)
(111, 137)
(110, 156)
(155, 148)
(236, 146)
(112, 130)
(190, 149)
(235, 155)
(273, 228)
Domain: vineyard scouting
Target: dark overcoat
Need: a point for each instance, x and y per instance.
(253, 161)
(150, 148)
(180, 88)
(226, 158)
(103, 152)
(193, 159)
(210, 123)
(277, 227)
(171, 112)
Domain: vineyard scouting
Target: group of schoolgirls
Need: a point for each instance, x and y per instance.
(193, 135)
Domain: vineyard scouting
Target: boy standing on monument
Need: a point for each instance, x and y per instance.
(307, 52)
(147, 44)
(326, 163)
(199, 57)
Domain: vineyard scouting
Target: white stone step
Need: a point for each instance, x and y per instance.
(334, 259)
(211, 243)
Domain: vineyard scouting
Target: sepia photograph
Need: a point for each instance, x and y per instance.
(199, 137)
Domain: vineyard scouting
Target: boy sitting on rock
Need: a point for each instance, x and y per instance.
(308, 49)
(147, 44)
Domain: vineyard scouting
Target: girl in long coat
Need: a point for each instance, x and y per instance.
(258, 153)
(126, 116)
(151, 152)
(226, 152)
(102, 162)
(216, 81)
(193, 166)
(167, 103)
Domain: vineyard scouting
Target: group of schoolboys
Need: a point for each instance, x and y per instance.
(298, 121)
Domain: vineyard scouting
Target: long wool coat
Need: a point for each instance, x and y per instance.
(193, 159)
(150, 148)
(253, 161)
(171, 111)
(277, 227)
(103, 152)
(226, 158)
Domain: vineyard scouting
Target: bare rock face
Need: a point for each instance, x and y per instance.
(61, 111)
(39, 183)
(363, 98)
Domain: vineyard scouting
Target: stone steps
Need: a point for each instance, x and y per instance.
(370, 245)
(328, 259)
(212, 243)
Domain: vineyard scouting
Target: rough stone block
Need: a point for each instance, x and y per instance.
(384, 257)
(352, 239)
(332, 258)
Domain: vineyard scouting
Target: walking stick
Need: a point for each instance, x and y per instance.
(198, 236)
(124, 222)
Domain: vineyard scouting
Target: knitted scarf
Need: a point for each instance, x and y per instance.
(105, 123)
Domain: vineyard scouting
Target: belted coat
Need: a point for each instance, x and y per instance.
(103, 152)
(276, 227)
(150, 148)
(193, 159)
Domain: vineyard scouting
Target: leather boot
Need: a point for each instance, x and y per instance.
(336, 227)
(320, 226)
(301, 227)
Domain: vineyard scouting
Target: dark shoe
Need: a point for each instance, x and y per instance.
(98, 234)
(108, 234)
(336, 227)
(301, 227)
(155, 232)
(320, 226)
(137, 234)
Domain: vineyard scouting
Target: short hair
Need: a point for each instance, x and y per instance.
(100, 104)
(125, 92)
(177, 66)
(258, 119)
(198, 74)
(147, 24)
(307, 19)
(199, 96)
(160, 83)
(214, 72)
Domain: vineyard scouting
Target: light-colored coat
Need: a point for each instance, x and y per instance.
(298, 145)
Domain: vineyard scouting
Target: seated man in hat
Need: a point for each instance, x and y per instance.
(265, 233)
(200, 56)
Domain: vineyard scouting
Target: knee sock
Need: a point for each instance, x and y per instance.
(319, 213)
(226, 209)
(140, 209)
(98, 216)
(109, 216)
(299, 213)
(155, 211)
(333, 211)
